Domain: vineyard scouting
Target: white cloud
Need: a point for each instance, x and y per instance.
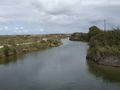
(41, 30)
(79, 13)
(6, 27)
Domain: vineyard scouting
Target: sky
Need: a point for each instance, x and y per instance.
(57, 16)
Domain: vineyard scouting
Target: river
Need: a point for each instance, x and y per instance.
(60, 68)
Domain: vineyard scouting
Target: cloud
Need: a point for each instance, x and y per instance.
(41, 30)
(77, 11)
(56, 7)
(61, 15)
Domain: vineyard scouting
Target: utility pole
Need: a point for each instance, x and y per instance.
(104, 25)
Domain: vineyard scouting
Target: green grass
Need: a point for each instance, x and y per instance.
(19, 44)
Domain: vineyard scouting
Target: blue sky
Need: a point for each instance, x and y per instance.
(56, 16)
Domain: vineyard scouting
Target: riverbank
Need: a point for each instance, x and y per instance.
(77, 36)
(14, 45)
(104, 46)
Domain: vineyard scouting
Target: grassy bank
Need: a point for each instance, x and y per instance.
(14, 45)
(104, 46)
(79, 37)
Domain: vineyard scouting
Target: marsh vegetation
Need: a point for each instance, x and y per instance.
(104, 46)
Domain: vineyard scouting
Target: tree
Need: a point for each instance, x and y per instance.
(94, 30)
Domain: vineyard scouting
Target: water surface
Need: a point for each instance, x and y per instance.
(60, 68)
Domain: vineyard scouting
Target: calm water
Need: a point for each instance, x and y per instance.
(59, 68)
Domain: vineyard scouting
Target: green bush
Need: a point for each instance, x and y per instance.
(104, 43)
(9, 50)
(94, 30)
(79, 36)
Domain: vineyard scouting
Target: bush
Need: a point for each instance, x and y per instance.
(79, 36)
(9, 50)
(94, 30)
(104, 44)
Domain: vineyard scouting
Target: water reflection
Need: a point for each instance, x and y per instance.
(108, 74)
(9, 59)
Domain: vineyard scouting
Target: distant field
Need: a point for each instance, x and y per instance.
(18, 39)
